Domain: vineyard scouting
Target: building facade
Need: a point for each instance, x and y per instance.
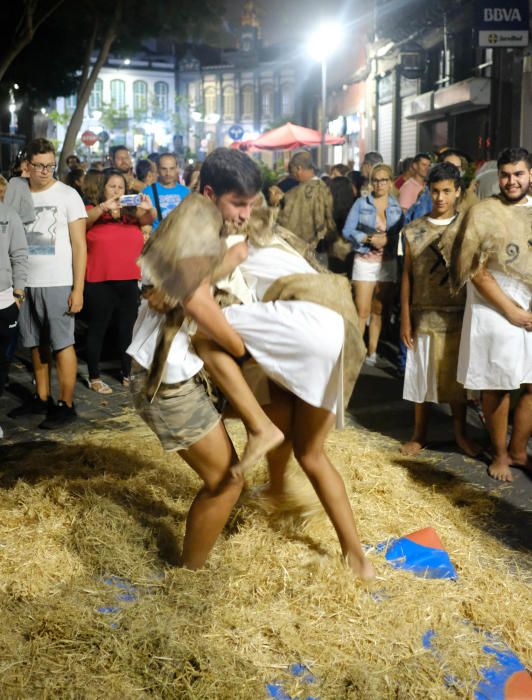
(193, 99)
(133, 102)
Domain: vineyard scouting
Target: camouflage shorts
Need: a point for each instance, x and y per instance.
(180, 414)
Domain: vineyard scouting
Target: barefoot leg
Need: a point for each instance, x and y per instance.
(465, 443)
(263, 435)
(419, 438)
(522, 429)
(310, 428)
(280, 410)
(496, 405)
(211, 458)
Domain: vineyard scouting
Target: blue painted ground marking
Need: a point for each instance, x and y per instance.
(421, 561)
(495, 677)
(300, 671)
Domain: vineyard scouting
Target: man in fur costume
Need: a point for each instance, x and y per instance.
(493, 255)
(307, 423)
(167, 385)
(431, 318)
(307, 210)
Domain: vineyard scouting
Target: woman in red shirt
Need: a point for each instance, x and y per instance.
(114, 242)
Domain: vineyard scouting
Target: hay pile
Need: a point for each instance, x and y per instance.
(91, 607)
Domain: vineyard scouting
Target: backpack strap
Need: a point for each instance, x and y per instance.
(156, 200)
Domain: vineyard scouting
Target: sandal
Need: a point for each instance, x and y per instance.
(125, 381)
(99, 386)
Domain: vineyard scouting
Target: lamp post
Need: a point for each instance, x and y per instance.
(322, 42)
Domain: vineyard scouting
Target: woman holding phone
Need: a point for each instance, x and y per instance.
(114, 242)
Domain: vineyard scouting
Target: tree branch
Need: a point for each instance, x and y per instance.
(85, 88)
(88, 54)
(22, 39)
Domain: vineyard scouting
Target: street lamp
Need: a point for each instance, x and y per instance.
(321, 44)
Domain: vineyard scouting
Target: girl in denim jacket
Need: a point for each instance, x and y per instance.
(373, 227)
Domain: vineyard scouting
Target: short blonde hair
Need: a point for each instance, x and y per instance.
(381, 166)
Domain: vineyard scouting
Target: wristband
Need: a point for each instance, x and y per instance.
(242, 359)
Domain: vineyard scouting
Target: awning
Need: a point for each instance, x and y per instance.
(465, 96)
(286, 138)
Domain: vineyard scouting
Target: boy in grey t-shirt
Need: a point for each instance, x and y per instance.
(57, 261)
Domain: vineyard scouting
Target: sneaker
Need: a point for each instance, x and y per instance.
(371, 360)
(59, 415)
(35, 406)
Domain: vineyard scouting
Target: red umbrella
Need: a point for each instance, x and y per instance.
(288, 137)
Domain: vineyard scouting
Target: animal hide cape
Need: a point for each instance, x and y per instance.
(493, 232)
(308, 211)
(185, 249)
(183, 253)
(434, 310)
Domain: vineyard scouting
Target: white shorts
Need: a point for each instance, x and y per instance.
(374, 270)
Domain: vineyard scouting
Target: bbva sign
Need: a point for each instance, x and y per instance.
(502, 14)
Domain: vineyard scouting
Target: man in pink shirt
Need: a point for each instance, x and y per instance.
(412, 188)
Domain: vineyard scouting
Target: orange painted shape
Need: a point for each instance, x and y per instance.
(518, 687)
(428, 537)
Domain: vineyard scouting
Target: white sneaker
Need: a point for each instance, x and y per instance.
(371, 360)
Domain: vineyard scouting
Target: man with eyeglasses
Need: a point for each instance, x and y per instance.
(54, 294)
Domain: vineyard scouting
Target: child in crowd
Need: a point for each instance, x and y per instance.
(431, 318)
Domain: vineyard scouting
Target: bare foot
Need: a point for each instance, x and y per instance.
(467, 445)
(412, 447)
(520, 459)
(500, 469)
(258, 446)
(361, 567)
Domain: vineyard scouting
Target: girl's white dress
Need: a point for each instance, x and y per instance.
(297, 344)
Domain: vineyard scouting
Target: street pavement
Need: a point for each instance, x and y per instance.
(376, 406)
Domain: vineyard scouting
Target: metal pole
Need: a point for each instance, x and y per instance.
(323, 109)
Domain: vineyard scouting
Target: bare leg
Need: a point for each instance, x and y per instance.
(41, 358)
(211, 458)
(263, 435)
(522, 429)
(496, 406)
(375, 325)
(465, 443)
(419, 439)
(67, 367)
(310, 428)
(280, 410)
(363, 296)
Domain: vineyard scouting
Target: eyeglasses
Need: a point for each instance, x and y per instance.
(380, 182)
(42, 168)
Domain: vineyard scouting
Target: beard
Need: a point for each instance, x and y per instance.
(515, 196)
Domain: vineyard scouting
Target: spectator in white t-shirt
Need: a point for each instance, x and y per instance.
(57, 259)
